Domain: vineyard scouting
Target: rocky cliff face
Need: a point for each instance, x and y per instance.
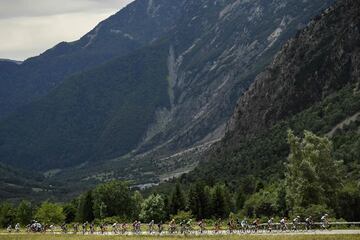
(322, 59)
(312, 84)
(215, 53)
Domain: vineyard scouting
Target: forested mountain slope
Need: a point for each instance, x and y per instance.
(88, 118)
(312, 84)
(135, 26)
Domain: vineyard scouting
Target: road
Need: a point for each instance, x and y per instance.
(210, 233)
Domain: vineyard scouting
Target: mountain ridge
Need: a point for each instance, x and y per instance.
(214, 48)
(119, 35)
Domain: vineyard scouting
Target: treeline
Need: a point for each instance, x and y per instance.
(117, 202)
(313, 185)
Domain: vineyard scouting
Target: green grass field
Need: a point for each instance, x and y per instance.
(72, 237)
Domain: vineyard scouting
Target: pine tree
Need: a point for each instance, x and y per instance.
(199, 201)
(137, 200)
(85, 208)
(24, 213)
(220, 206)
(70, 210)
(240, 199)
(177, 202)
(193, 203)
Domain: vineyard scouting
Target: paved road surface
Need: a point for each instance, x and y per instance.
(332, 232)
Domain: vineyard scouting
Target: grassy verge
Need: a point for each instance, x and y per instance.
(79, 237)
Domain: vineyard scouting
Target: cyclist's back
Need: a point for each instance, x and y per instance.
(324, 221)
(283, 224)
(270, 224)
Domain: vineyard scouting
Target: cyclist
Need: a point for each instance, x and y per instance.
(124, 228)
(256, 224)
(17, 227)
(270, 224)
(64, 228)
(296, 222)
(230, 226)
(324, 221)
(28, 228)
(172, 226)
(244, 224)
(151, 226)
(283, 225)
(188, 225)
(160, 227)
(84, 227)
(9, 228)
(76, 228)
(138, 227)
(217, 225)
(52, 228)
(308, 223)
(102, 228)
(201, 225)
(114, 227)
(134, 226)
(182, 226)
(92, 228)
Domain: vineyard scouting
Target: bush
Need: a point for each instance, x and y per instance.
(153, 208)
(50, 213)
(182, 216)
(263, 203)
(316, 211)
(7, 214)
(111, 220)
(349, 202)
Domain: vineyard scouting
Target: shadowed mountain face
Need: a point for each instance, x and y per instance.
(180, 73)
(313, 84)
(137, 25)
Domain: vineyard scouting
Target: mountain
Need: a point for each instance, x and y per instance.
(10, 61)
(121, 118)
(135, 26)
(227, 43)
(15, 184)
(87, 116)
(313, 84)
